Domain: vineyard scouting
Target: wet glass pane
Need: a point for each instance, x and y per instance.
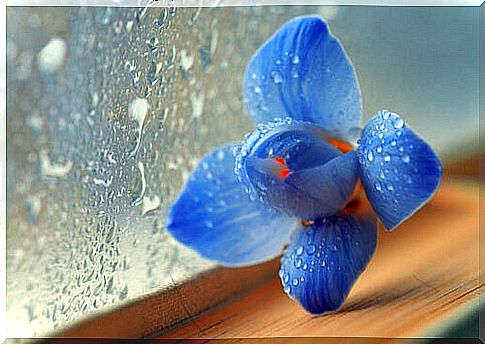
(109, 109)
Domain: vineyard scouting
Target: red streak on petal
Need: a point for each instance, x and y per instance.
(285, 172)
(280, 161)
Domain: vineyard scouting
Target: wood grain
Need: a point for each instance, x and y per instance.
(422, 275)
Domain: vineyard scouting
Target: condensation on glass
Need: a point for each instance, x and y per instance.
(109, 109)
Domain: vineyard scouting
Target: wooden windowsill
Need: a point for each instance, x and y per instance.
(421, 275)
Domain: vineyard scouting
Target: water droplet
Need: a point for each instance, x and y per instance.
(277, 78)
(322, 263)
(405, 158)
(393, 143)
(208, 224)
(139, 186)
(379, 149)
(298, 262)
(220, 155)
(333, 248)
(286, 277)
(51, 57)
(295, 59)
(257, 89)
(287, 289)
(296, 282)
(311, 249)
(385, 114)
(389, 186)
(305, 266)
(299, 251)
(370, 156)
(398, 123)
(378, 186)
(387, 158)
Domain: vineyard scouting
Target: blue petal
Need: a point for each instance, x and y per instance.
(303, 72)
(331, 184)
(323, 261)
(301, 147)
(215, 217)
(400, 172)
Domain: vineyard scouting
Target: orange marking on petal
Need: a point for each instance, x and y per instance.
(344, 147)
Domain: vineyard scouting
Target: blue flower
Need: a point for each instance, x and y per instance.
(296, 180)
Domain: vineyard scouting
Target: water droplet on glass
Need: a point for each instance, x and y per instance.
(51, 57)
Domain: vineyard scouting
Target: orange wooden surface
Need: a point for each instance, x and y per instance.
(422, 275)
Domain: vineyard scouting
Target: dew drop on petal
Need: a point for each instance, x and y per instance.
(405, 158)
(220, 155)
(398, 123)
(370, 156)
(277, 78)
(311, 249)
(385, 114)
(378, 186)
(299, 251)
(387, 158)
(389, 186)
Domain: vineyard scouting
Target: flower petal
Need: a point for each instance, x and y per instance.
(400, 172)
(323, 261)
(303, 72)
(332, 184)
(273, 153)
(215, 217)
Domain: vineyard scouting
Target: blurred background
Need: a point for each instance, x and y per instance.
(109, 109)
